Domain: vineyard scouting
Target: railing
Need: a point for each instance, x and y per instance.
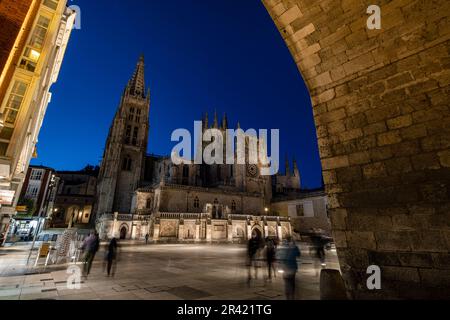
(143, 212)
(239, 217)
(126, 217)
(193, 216)
(145, 215)
(107, 216)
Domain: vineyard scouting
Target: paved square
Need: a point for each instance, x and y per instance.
(158, 272)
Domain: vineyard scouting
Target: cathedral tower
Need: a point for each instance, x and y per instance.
(122, 167)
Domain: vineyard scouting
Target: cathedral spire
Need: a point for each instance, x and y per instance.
(216, 121)
(205, 121)
(224, 121)
(288, 169)
(136, 85)
(296, 171)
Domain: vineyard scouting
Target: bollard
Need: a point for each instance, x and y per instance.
(332, 285)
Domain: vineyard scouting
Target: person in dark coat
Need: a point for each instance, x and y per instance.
(111, 256)
(90, 246)
(270, 257)
(252, 249)
(288, 261)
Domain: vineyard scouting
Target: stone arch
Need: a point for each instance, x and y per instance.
(123, 231)
(258, 230)
(380, 104)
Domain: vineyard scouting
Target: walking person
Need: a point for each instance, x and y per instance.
(90, 246)
(111, 257)
(252, 250)
(290, 267)
(270, 257)
(146, 238)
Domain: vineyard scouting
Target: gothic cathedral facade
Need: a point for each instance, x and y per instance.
(140, 194)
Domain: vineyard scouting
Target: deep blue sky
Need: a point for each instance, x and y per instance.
(201, 55)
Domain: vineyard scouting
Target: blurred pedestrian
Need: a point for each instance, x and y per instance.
(270, 257)
(146, 238)
(252, 250)
(90, 247)
(288, 260)
(319, 242)
(111, 257)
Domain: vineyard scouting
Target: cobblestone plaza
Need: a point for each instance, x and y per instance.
(158, 272)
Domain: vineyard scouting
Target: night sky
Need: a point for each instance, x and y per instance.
(201, 55)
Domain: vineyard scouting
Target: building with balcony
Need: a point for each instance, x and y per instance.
(31, 55)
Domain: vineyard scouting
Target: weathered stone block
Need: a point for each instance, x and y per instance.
(400, 122)
(393, 241)
(388, 138)
(336, 162)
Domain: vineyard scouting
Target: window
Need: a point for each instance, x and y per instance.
(33, 50)
(148, 205)
(233, 205)
(135, 135)
(128, 135)
(11, 111)
(131, 115)
(300, 210)
(219, 173)
(126, 165)
(36, 175)
(52, 4)
(32, 191)
(185, 171)
(138, 115)
(15, 101)
(196, 203)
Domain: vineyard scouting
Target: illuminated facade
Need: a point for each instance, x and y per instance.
(139, 194)
(39, 32)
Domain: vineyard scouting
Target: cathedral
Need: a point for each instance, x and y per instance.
(140, 194)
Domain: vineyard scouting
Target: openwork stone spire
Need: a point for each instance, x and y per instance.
(136, 85)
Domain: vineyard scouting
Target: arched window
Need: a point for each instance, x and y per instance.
(135, 135)
(126, 164)
(138, 115)
(131, 115)
(196, 203)
(219, 173)
(233, 205)
(128, 135)
(185, 171)
(148, 205)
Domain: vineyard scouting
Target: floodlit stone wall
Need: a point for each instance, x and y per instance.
(381, 107)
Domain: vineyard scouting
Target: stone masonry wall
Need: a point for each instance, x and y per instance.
(381, 107)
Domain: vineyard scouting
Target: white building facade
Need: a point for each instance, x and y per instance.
(23, 108)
